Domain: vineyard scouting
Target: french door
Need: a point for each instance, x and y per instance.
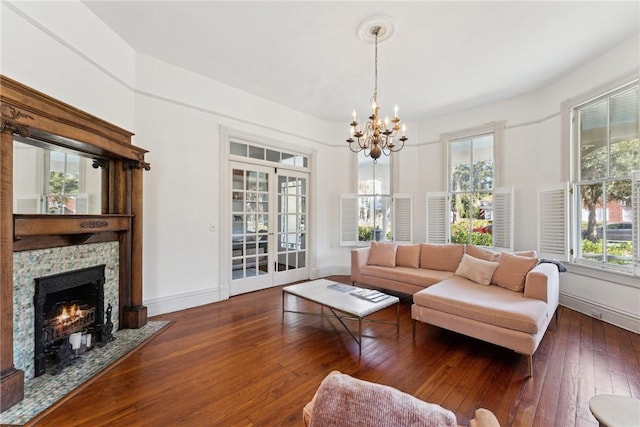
(268, 227)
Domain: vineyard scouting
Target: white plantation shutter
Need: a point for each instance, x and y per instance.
(502, 225)
(402, 218)
(635, 221)
(348, 220)
(27, 204)
(82, 203)
(437, 218)
(553, 221)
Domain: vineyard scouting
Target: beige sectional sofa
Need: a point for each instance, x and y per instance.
(502, 298)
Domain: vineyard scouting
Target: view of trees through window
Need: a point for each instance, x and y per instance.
(608, 154)
(374, 199)
(63, 183)
(471, 180)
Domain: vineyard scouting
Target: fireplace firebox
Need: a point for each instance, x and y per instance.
(69, 311)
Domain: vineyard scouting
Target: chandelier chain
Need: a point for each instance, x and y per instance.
(376, 31)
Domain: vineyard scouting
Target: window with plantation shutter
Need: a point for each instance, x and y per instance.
(553, 215)
(437, 218)
(606, 147)
(27, 204)
(402, 218)
(348, 220)
(503, 219)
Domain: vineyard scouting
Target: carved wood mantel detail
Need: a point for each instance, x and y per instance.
(29, 113)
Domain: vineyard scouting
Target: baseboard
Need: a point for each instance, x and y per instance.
(334, 270)
(163, 305)
(602, 312)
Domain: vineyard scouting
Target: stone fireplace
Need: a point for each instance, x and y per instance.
(36, 265)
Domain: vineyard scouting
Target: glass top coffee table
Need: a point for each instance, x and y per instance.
(341, 298)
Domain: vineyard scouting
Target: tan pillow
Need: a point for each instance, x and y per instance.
(441, 257)
(482, 253)
(512, 271)
(383, 254)
(408, 256)
(476, 269)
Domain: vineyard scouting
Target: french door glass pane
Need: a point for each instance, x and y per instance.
(250, 223)
(291, 222)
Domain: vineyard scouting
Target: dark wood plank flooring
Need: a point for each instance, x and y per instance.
(236, 363)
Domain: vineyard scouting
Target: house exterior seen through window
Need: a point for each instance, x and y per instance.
(471, 189)
(607, 153)
(374, 199)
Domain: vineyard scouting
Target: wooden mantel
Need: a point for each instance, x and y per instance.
(29, 113)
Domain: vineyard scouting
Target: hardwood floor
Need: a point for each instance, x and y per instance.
(236, 363)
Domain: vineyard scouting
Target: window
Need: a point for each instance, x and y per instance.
(375, 213)
(63, 184)
(471, 189)
(374, 199)
(605, 140)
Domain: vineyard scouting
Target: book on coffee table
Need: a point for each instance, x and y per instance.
(369, 295)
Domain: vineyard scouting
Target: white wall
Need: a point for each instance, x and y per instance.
(178, 119)
(63, 50)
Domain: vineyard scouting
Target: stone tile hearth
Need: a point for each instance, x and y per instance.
(42, 392)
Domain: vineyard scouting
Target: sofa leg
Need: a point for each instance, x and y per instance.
(530, 358)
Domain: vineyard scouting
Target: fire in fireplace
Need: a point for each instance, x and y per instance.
(69, 311)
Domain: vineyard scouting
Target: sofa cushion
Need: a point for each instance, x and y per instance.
(342, 400)
(413, 276)
(441, 257)
(408, 256)
(476, 269)
(487, 304)
(528, 254)
(482, 253)
(382, 254)
(512, 271)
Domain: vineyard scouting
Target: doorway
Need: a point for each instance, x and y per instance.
(269, 223)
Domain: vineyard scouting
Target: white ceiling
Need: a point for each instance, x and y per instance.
(442, 57)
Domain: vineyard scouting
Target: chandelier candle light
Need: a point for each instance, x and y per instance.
(377, 136)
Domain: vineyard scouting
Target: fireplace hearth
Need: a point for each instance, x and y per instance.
(69, 316)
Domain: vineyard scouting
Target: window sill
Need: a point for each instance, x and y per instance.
(603, 273)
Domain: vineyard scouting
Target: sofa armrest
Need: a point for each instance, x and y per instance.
(543, 283)
(359, 259)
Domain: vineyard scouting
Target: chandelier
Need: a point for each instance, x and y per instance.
(377, 135)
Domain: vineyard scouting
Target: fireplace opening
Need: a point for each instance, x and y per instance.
(69, 315)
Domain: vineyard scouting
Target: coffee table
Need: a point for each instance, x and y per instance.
(337, 298)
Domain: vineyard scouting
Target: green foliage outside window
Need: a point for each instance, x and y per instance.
(460, 233)
(618, 249)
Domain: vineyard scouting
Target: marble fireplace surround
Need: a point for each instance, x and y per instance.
(29, 265)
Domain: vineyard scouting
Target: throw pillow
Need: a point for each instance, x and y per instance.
(408, 256)
(441, 257)
(383, 254)
(482, 253)
(512, 271)
(476, 269)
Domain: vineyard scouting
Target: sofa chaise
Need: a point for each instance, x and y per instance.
(507, 299)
